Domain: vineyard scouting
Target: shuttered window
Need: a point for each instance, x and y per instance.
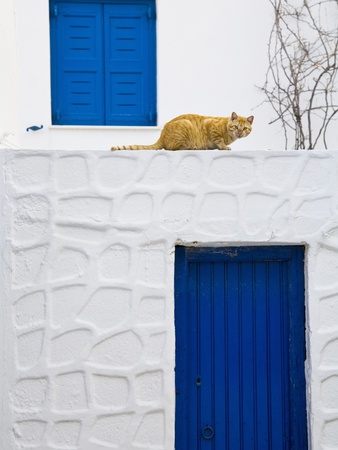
(103, 62)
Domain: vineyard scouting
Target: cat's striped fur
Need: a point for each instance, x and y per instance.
(194, 132)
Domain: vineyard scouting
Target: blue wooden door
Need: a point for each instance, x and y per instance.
(240, 350)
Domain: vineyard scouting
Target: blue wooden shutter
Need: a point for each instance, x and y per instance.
(103, 58)
(77, 64)
(130, 73)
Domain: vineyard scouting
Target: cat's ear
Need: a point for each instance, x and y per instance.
(234, 116)
(250, 119)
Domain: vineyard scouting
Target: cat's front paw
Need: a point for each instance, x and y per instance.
(225, 148)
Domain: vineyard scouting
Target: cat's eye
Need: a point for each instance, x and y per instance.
(236, 127)
(245, 128)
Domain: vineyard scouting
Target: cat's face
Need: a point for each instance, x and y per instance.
(239, 127)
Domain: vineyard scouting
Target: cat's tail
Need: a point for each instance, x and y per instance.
(157, 146)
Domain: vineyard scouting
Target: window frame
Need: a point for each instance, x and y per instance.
(150, 116)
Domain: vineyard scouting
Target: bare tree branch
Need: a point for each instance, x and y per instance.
(300, 81)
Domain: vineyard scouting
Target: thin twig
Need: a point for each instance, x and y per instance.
(300, 80)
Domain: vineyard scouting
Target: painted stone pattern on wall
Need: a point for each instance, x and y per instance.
(90, 315)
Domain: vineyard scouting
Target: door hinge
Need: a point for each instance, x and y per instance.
(55, 11)
(152, 117)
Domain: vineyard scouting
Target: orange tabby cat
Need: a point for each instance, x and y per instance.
(194, 132)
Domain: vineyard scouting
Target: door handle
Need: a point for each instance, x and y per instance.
(207, 432)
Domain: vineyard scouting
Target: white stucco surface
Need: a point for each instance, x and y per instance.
(210, 60)
(87, 286)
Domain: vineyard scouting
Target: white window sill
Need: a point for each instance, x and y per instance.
(104, 127)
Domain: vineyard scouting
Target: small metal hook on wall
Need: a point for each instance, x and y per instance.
(34, 128)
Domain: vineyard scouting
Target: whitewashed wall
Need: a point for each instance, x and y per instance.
(9, 98)
(87, 283)
(210, 58)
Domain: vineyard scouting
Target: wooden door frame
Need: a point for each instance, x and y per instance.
(294, 254)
